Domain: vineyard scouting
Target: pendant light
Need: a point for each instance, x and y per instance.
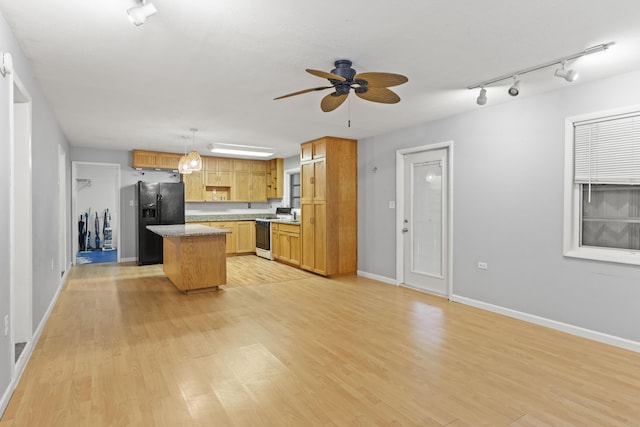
(194, 161)
(183, 164)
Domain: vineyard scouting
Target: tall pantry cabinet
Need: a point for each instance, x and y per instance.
(328, 208)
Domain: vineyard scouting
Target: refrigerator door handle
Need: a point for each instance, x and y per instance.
(159, 204)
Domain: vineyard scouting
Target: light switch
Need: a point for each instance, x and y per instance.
(392, 204)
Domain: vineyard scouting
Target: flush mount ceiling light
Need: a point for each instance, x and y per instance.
(194, 161)
(139, 14)
(568, 75)
(240, 150)
(514, 90)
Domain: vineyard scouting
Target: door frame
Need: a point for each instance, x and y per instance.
(400, 213)
(74, 207)
(21, 224)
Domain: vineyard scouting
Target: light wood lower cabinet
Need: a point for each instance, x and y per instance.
(245, 237)
(242, 239)
(285, 243)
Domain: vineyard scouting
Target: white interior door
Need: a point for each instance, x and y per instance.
(424, 226)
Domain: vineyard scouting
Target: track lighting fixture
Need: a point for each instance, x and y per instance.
(514, 90)
(568, 75)
(482, 98)
(139, 14)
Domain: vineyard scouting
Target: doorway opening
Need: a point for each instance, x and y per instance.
(424, 218)
(96, 212)
(21, 241)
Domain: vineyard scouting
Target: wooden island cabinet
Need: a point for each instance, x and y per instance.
(193, 255)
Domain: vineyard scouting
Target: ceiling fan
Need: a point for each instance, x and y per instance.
(370, 86)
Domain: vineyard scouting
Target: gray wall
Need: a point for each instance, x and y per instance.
(508, 209)
(46, 136)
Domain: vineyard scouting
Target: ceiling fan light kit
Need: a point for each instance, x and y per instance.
(373, 86)
(564, 73)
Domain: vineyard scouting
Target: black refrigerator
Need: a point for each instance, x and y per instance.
(158, 203)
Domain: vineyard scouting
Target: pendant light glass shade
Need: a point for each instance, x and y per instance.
(194, 161)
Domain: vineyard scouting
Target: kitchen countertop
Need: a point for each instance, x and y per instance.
(228, 217)
(185, 230)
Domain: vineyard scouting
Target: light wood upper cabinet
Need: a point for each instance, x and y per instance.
(329, 206)
(194, 188)
(275, 178)
(249, 181)
(143, 159)
(222, 178)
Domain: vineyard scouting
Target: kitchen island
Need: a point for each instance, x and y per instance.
(194, 257)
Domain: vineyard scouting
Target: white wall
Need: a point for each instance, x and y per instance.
(46, 137)
(508, 209)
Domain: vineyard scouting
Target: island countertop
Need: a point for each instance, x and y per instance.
(185, 230)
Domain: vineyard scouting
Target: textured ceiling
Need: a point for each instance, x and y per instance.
(216, 65)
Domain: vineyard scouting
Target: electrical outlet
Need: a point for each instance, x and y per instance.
(6, 325)
(483, 266)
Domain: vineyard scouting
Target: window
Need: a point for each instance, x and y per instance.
(602, 187)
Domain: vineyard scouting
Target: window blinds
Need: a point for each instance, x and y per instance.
(607, 150)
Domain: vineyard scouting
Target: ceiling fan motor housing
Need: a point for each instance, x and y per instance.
(343, 69)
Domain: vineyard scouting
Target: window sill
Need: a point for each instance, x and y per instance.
(620, 256)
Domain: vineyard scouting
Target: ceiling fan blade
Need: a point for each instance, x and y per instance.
(331, 102)
(300, 92)
(382, 79)
(380, 94)
(326, 75)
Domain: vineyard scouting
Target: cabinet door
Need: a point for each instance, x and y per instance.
(284, 247)
(231, 238)
(240, 187)
(246, 236)
(224, 164)
(306, 181)
(224, 179)
(258, 166)
(211, 178)
(294, 251)
(193, 187)
(307, 260)
(168, 161)
(274, 241)
(145, 159)
(306, 151)
(320, 238)
(320, 180)
(258, 187)
(319, 149)
(241, 165)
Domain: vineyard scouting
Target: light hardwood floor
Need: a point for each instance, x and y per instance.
(282, 347)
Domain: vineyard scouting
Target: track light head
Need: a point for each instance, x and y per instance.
(514, 90)
(482, 98)
(139, 14)
(568, 75)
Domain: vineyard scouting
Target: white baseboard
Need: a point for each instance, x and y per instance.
(378, 278)
(28, 349)
(128, 259)
(563, 327)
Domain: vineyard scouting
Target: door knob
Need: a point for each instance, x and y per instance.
(404, 230)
